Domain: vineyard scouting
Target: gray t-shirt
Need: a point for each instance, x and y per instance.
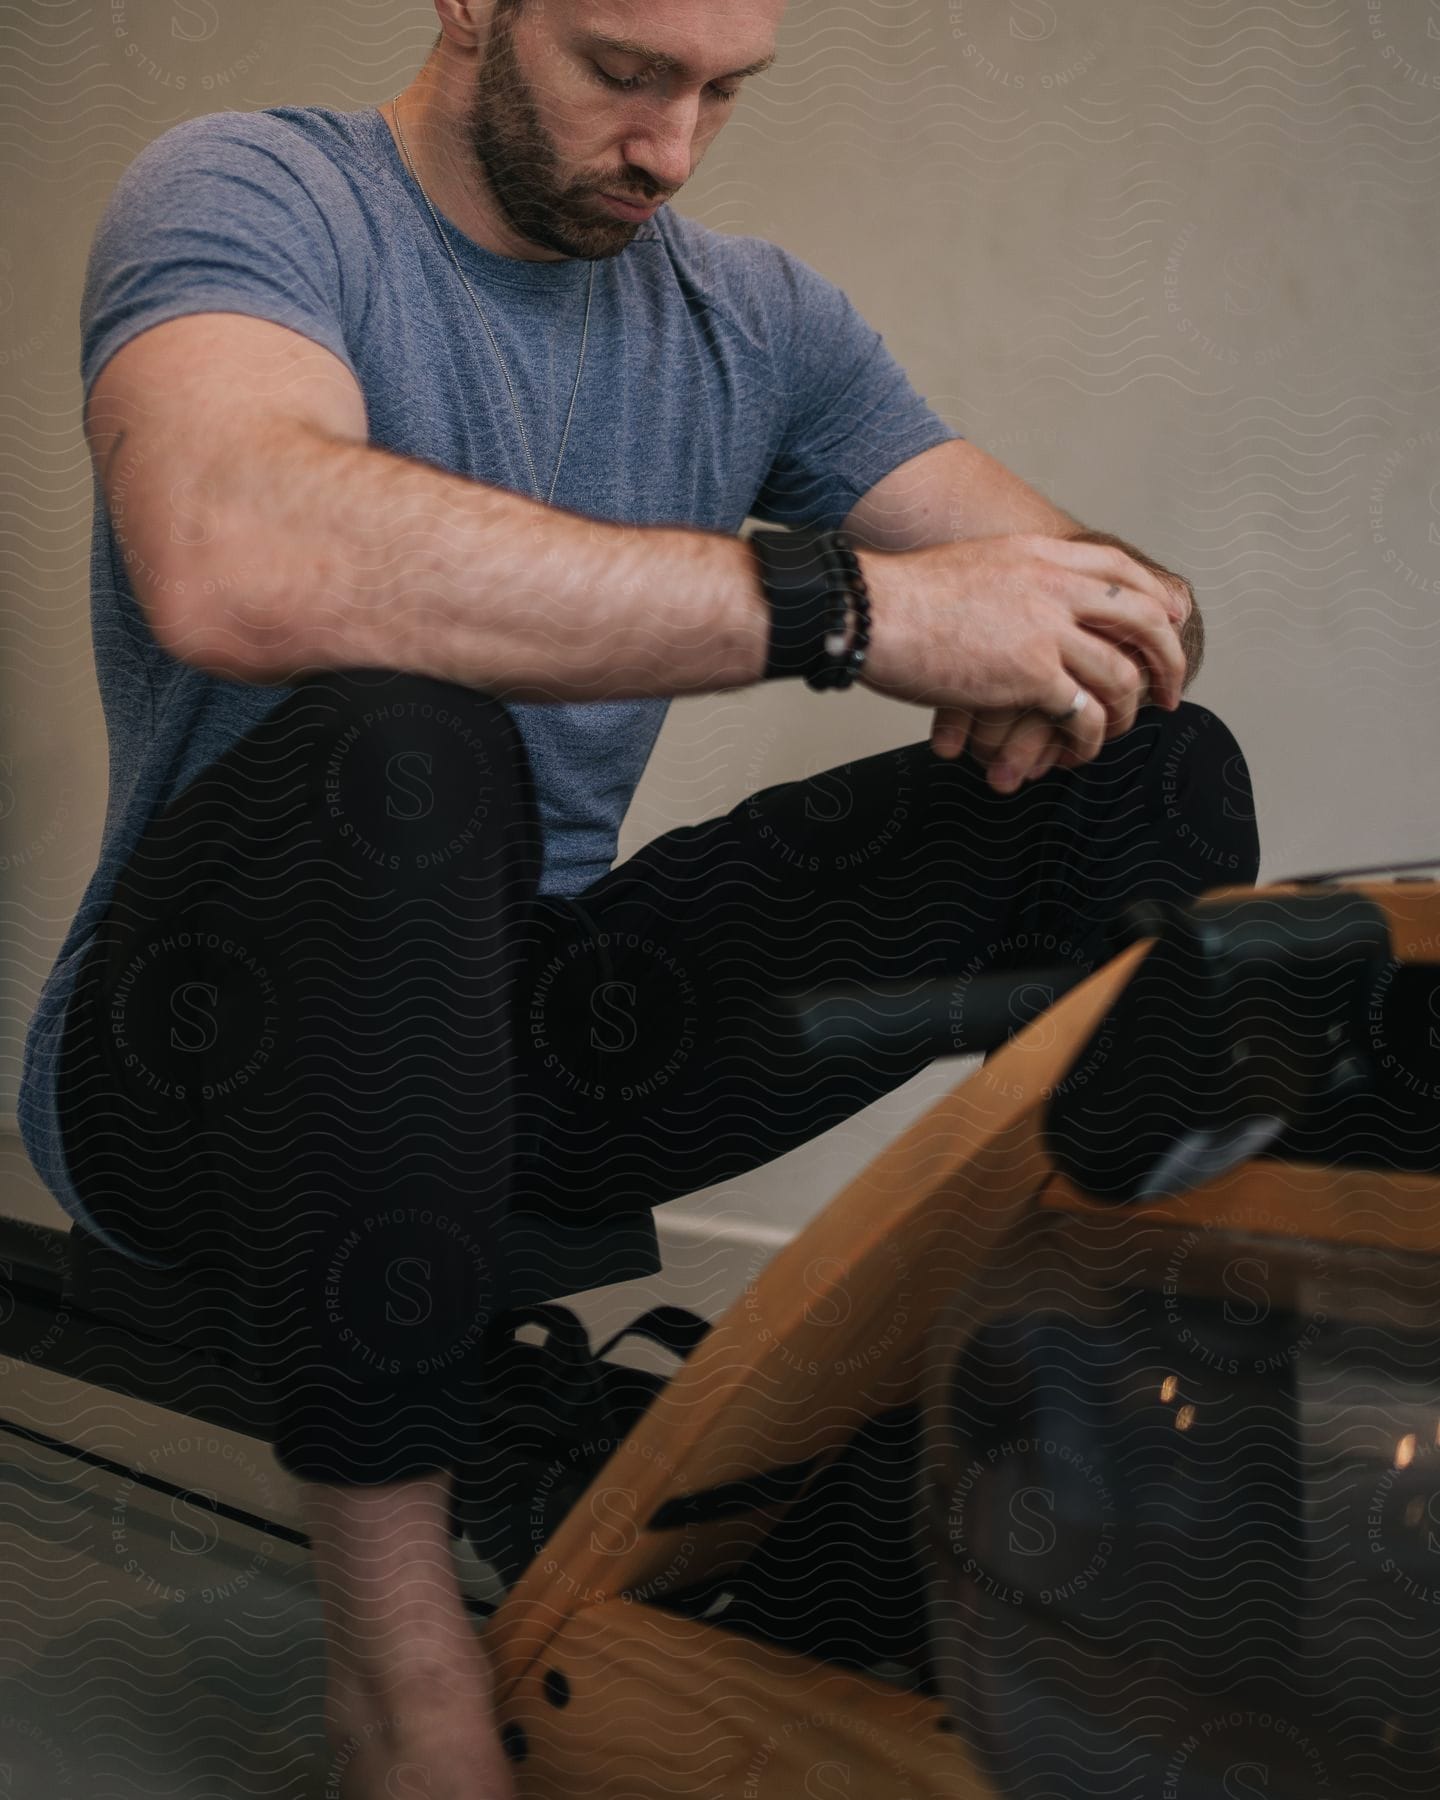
(724, 378)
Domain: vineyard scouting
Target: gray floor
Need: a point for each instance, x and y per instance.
(148, 1649)
(151, 1650)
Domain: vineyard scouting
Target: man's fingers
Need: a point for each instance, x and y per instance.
(1083, 731)
(1117, 681)
(950, 732)
(1031, 743)
(1133, 627)
(1107, 565)
(989, 730)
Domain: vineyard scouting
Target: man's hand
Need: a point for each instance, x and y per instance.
(1185, 615)
(1017, 746)
(1016, 623)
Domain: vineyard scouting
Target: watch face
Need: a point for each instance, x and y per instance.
(1194, 1551)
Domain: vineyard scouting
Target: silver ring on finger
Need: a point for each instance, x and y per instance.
(1077, 706)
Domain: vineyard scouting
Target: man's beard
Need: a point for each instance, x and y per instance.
(522, 168)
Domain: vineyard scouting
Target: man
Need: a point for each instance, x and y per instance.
(424, 436)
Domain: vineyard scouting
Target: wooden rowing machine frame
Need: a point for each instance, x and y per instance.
(604, 1693)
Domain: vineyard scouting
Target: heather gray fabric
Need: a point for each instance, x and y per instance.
(724, 378)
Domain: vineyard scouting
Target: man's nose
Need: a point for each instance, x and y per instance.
(664, 146)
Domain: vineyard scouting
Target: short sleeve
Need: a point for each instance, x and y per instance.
(851, 413)
(225, 213)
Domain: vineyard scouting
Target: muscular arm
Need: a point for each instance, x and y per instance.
(958, 491)
(265, 537)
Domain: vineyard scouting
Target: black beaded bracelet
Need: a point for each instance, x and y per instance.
(812, 580)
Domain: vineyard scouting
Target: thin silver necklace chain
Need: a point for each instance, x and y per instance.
(584, 336)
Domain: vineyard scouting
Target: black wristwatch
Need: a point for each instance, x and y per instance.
(819, 606)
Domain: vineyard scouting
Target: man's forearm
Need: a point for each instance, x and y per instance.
(328, 554)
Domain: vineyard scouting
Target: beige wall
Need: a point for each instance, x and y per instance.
(1176, 264)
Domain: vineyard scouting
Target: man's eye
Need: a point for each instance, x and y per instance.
(629, 83)
(618, 81)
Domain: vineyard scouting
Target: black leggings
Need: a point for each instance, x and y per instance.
(329, 1034)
